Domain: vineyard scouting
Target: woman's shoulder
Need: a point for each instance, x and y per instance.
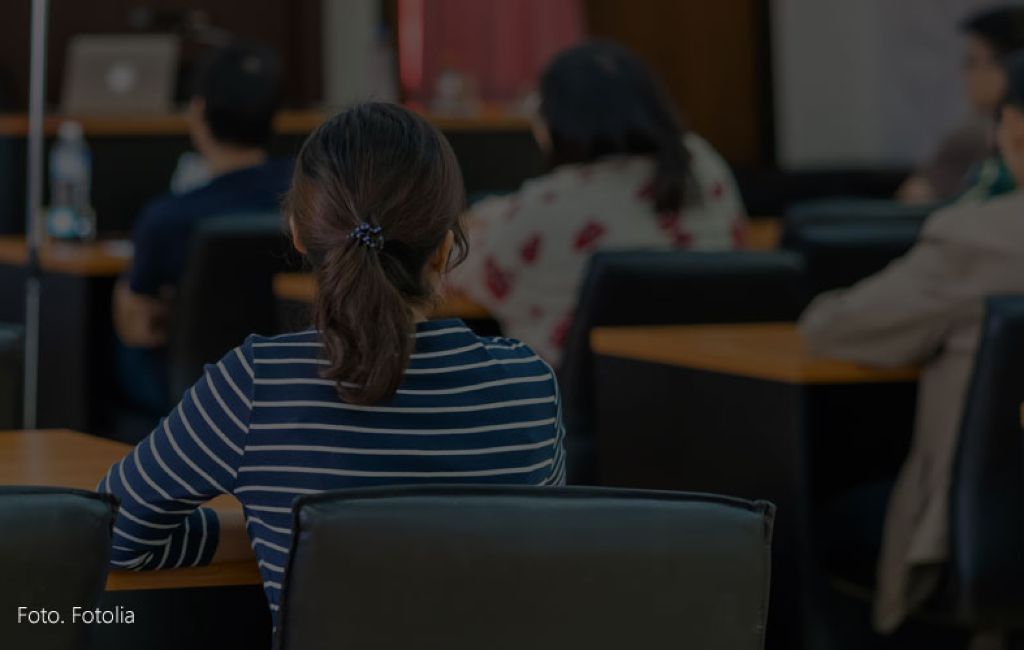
(301, 347)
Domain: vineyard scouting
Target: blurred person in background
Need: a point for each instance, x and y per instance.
(965, 164)
(230, 117)
(624, 174)
(926, 308)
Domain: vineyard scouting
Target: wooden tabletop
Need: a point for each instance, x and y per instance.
(772, 351)
(301, 287)
(104, 258)
(64, 458)
(294, 122)
(763, 233)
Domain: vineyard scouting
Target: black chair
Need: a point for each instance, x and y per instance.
(983, 589)
(664, 288)
(852, 211)
(838, 255)
(517, 567)
(12, 355)
(226, 292)
(986, 579)
(54, 553)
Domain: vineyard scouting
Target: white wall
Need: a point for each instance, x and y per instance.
(349, 33)
(866, 82)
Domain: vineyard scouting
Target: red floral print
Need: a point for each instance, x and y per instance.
(561, 331)
(530, 250)
(499, 281)
(589, 235)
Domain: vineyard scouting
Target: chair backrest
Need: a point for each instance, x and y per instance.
(12, 357)
(987, 507)
(838, 255)
(666, 288)
(226, 292)
(853, 211)
(519, 567)
(54, 553)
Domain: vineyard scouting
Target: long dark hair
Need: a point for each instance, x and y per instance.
(383, 166)
(598, 99)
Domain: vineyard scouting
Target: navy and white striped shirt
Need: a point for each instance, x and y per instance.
(262, 425)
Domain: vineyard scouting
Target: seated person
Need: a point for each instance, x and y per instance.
(375, 395)
(965, 162)
(624, 174)
(230, 121)
(927, 308)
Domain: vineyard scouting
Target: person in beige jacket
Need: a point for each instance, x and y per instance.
(926, 308)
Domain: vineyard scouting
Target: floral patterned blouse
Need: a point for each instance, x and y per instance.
(529, 249)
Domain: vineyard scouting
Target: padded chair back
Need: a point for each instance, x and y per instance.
(452, 568)
(841, 254)
(226, 292)
(853, 211)
(12, 356)
(54, 552)
(665, 288)
(987, 525)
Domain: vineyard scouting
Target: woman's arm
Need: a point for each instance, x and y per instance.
(191, 457)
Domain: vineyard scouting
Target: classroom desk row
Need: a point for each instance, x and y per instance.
(744, 410)
(77, 341)
(747, 410)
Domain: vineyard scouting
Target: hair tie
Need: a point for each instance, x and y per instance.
(369, 236)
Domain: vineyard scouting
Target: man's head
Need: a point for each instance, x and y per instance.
(1010, 134)
(236, 93)
(992, 36)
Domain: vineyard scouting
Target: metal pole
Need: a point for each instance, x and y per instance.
(34, 207)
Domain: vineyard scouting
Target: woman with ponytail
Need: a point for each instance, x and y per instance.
(375, 394)
(624, 174)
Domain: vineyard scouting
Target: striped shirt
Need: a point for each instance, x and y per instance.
(262, 425)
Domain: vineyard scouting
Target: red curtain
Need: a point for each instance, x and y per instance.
(501, 45)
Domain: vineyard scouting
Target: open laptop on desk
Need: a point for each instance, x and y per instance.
(120, 74)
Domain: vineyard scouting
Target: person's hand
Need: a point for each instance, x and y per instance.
(916, 190)
(233, 545)
(140, 321)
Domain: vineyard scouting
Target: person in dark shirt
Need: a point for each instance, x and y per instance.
(230, 116)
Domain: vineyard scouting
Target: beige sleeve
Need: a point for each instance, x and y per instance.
(895, 317)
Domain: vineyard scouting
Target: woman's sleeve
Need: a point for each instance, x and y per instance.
(484, 222)
(192, 456)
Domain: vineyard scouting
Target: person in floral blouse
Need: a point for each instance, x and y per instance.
(624, 174)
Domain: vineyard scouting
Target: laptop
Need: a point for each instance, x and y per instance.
(118, 74)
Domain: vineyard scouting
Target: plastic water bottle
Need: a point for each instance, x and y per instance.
(71, 215)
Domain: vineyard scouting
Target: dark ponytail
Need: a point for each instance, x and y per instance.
(374, 166)
(598, 99)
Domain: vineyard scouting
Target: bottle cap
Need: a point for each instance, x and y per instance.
(70, 130)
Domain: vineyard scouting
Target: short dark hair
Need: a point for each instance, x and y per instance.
(241, 86)
(1002, 28)
(599, 99)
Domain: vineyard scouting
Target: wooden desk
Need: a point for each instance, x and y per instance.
(773, 351)
(746, 410)
(65, 458)
(763, 234)
(294, 122)
(301, 288)
(104, 258)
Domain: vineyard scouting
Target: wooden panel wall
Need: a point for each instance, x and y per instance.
(712, 55)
